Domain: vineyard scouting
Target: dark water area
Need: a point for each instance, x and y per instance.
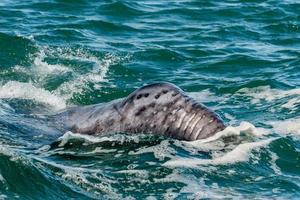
(240, 58)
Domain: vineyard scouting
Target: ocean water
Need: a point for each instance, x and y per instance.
(240, 58)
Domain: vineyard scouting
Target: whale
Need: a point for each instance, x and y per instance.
(159, 108)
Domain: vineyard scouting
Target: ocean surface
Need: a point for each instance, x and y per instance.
(240, 58)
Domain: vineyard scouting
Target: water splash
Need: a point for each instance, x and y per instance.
(41, 67)
(20, 90)
(96, 76)
(41, 72)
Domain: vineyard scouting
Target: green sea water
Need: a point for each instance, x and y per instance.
(240, 58)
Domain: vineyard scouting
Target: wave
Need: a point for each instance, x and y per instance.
(53, 66)
(277, 99)
(74, 53)
(5, 108)
(96, 76)
(41, 67)
(239, 153)
(252, 149)
(20, 90)
(163, 150)
(121, 9)
(266, 93)
(30, 174)
(9, 57)
(288, 126)
(92, 154)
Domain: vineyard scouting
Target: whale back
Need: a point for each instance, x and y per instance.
(163, 108)
(160, 108)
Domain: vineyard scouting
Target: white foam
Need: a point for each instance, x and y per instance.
(235, 154)
(240, 153)
(81, 179)
(12, 154)
(101, 68)
(275, 168)
(288, 126)
(20, 90)
(101, 150)
(160, 151)
(243, 128)
(87, 138)
(205, 96)
(80, 176)
(140, 176)
(266, 93)
(196, 187)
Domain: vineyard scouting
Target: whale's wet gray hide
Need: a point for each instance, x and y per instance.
(160, 108)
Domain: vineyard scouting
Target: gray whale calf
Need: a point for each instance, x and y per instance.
(160, 108)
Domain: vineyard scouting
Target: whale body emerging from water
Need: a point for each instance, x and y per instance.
(160, 108)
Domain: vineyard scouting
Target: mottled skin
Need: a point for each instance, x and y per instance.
(160, 108)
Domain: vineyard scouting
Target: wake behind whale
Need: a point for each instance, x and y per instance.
(160, 108)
